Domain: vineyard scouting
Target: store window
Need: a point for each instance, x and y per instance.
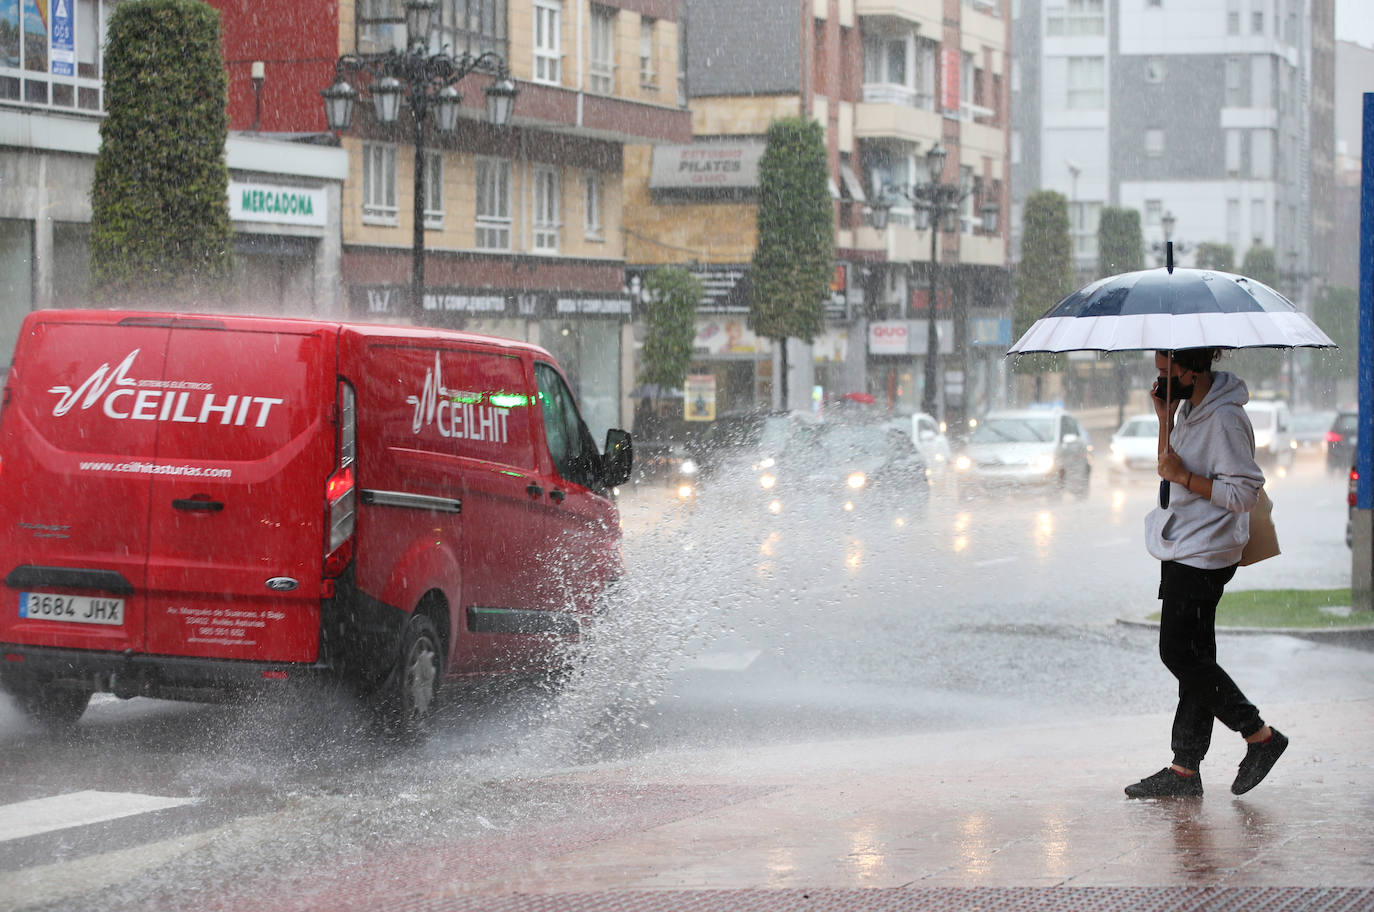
(50, 52)
(16, 281)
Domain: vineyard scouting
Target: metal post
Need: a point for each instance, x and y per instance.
(417, 247)
(932, 335)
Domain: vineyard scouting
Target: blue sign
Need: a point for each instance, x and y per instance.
(63, 47)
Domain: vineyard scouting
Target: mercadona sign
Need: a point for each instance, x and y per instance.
(277, 203)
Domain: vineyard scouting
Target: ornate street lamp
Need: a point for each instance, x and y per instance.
(427, 83)
(934, 202)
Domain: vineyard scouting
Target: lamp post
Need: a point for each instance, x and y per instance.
(933, 200)
(1168, 248)
(426, 81)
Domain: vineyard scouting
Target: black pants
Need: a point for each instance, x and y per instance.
(1188, 648)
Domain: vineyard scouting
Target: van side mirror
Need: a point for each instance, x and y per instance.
(617, 458)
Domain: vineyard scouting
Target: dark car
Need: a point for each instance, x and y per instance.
(1341, 440)
(843, 467)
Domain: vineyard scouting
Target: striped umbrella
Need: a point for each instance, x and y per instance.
(1171, 309)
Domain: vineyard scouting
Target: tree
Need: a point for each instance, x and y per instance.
(1120, 244)
(1336, 310)
(670, 314)
(1211, 255)
(159, 211)
(1260, 366)
(795, 256)
(1044, 276)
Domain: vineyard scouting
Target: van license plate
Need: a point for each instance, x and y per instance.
(73, 609)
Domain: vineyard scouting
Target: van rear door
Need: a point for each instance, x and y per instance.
(246, 441)
(74, 483)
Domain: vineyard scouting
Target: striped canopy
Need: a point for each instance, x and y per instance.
(1172, 309)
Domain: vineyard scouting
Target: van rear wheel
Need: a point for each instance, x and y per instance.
(412, 691)
(55, 708)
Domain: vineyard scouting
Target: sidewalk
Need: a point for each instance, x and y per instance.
(998, 819)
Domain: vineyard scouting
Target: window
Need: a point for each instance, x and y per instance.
(1083, 219)
(381, 26)
(1153, 210)
(379, 183)
(434, 189)
(648, 70)
(1016, 147)
(1257, 22)
(570, 443)
(966, 204)
(1233, 87)
(899, 69)
(546, 206)
(548, 41)
(968, 76)
(469, 26)
(1075, 17)
(1259, 226)
(1233, 138)
(1233, 17)
(493, 204)
(1015, 74)
(1233, 223)
(37, 69)
(1154, 142)
(591, 210)
(1262, 153)
(602, 50)
(1086, 83)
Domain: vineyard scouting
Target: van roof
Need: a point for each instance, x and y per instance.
(237, 320)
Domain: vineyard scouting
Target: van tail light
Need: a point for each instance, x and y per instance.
(1333, 437)
(341, 491)
(1354, 487)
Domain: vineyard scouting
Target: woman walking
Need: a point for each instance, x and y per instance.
(1198, 538)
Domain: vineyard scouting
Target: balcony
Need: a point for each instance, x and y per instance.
(896, 112)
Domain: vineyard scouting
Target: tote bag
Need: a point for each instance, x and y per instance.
(1264, 539)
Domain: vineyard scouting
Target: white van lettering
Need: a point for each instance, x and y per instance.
(145, 400)
(156, 400)
(456, 417)
(109, 404)
(95, 386)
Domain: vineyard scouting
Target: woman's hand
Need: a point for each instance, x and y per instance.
(1171, 468)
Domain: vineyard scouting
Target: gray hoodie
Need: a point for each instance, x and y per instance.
(1215, 440)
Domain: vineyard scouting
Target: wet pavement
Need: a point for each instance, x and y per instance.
(1025, 817)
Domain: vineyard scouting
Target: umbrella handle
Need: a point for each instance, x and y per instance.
(1163, 494)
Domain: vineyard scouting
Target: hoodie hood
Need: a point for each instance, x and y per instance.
(1227, 389)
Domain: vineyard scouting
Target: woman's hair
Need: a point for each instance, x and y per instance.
(1196, 359)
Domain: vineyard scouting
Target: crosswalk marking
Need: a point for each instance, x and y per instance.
(60, 812)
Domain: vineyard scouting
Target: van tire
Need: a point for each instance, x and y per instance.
(54, 709)
(411, 693)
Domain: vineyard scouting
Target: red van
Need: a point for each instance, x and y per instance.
(194, 506)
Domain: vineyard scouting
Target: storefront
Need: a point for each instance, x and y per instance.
(286, 232)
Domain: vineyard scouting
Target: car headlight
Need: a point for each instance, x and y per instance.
(767, 480)
(963, 463)
(856, 480)
(766, 463)
(1117, 455)
(685, 492)
(1262, 439)
(689, 467)
(1043, 463)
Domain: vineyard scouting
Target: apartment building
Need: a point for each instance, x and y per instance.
(1218, 112)
(888, 80)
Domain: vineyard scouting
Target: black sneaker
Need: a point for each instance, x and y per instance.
(1166, 784)
(1258, 761)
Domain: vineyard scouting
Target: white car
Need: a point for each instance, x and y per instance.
(1274, 443)
(930, 440)
(1037, 447)
(1135, 448)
